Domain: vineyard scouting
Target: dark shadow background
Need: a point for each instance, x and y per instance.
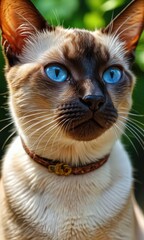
(89, 14)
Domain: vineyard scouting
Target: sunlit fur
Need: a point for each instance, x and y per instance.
(38, 205)
(34, 106)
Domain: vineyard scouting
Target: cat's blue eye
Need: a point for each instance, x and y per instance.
(112, 75)
(56, 73)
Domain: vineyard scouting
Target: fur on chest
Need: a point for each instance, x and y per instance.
(42, 205)
(75, 221)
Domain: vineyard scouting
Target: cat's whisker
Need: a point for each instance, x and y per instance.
(55, 13)
(39, 122)
(27, 115)
(47, 125)
(24, 99)
(132, 114)
(5, 119)
(136, 122)
(115, 131)
(37, 112)
(4, 93)
(120, 130)
(46, 116)
(134, 133)
(133, 122)
(41, 137)
(55, 133)
(133, 130)
(9, 124)
(8, 138)
(63, 122)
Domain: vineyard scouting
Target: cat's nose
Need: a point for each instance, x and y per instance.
(94, 102)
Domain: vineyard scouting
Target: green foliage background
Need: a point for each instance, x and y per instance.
(90, 14)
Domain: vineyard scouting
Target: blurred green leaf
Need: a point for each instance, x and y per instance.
(57, 10)
(112, 4)
(94, 5)
(93, 20)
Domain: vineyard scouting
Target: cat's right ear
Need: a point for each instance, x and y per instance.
(19, 19)
(128, 25)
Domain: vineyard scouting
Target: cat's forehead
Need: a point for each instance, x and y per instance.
(84, 44)
(72, 44)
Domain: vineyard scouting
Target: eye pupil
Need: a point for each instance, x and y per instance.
(57, 71)
(112, 74)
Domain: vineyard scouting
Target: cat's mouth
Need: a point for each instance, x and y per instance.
(87, 130)
(87, 125)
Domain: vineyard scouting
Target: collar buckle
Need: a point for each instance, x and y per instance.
(60, 169)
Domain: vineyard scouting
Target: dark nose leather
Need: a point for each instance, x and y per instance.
(94, 102)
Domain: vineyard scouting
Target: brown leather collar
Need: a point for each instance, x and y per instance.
(63, 169)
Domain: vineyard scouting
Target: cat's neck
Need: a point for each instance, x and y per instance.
(72, 152)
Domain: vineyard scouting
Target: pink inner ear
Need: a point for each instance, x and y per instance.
(13, 41)
(18, 20)
(129, 24)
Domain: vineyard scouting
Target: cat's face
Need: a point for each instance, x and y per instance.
(69, 85)
(92, 87)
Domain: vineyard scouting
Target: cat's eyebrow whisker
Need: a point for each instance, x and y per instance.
(111, 25)
(56, 17)
(116, 35)
(118, 127)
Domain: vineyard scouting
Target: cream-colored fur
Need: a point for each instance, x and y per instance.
(38, 205)
(95, 206)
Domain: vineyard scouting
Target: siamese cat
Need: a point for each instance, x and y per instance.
(66, 176)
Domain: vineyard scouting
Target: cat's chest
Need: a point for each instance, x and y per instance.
(77, 218)
(86, 226)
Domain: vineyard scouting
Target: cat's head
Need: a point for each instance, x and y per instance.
(69, 86)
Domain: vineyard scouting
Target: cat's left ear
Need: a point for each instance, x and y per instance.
(128, 25)
(19, 19)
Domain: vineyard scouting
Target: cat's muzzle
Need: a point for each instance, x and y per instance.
(84, 123)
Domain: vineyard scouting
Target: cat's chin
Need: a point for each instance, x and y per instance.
(86, 131)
